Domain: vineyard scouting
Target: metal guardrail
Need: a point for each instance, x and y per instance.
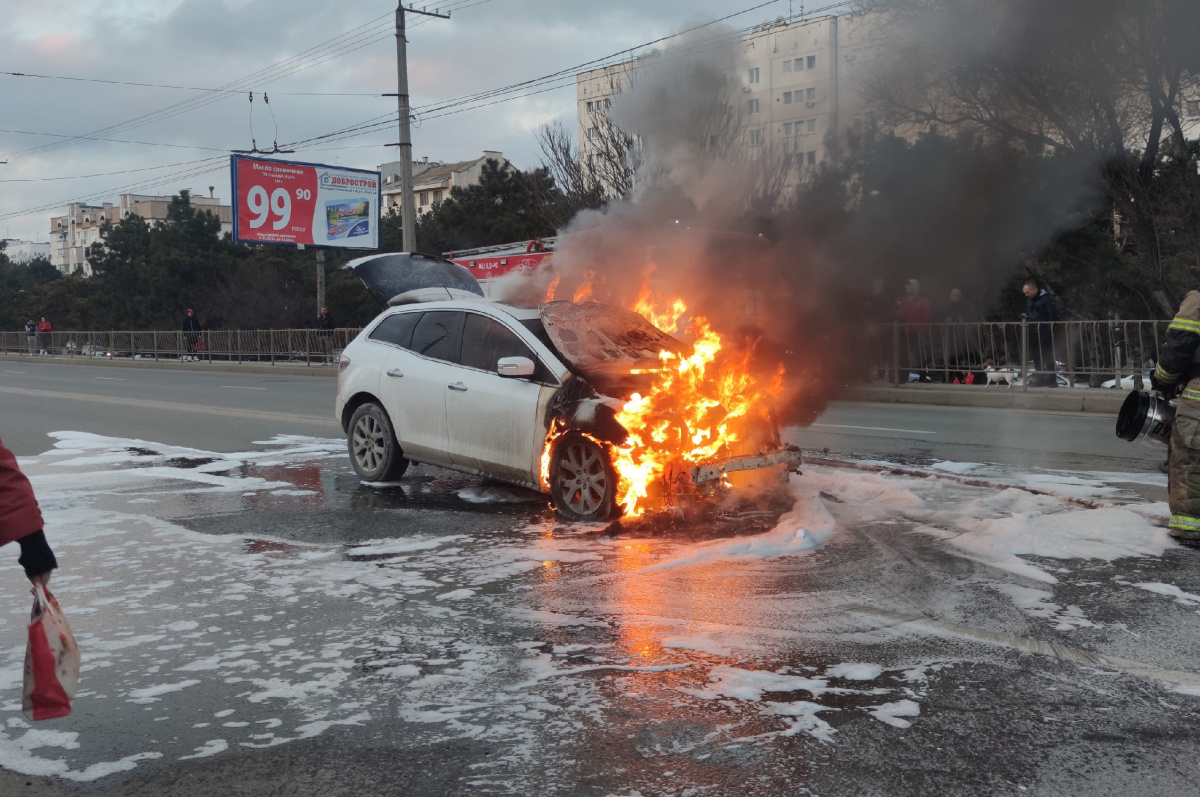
(283, 346)
(1024, 354)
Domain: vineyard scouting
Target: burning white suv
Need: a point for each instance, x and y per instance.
(449, 378)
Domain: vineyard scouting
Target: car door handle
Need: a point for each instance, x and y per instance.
(395, 374)
(459, 386)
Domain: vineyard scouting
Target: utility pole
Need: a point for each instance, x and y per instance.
(408, 218)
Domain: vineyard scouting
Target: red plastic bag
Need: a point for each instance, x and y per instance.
(970, 380)
(51, 660)
(200, 345)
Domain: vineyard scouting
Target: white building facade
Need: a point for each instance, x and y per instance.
(72, 233)
(19, 251)
(433, 180)
(795, 88)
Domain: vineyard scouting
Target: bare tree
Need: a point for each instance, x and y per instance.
(1102, 80)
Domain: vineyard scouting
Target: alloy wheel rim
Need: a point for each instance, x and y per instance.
(369, 443)
(583, 478)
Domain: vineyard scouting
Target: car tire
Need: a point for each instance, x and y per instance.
(583, 482)
(374, 451)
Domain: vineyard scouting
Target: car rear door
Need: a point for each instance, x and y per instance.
(492, 420)
(413, 384)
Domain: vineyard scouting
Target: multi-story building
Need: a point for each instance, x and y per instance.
(73, 233)
(432, 181)
(19, 251)
(794, 88)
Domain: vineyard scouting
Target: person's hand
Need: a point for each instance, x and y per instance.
(1023, 315)
(1167, 390)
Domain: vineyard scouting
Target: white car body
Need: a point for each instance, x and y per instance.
(449, 414)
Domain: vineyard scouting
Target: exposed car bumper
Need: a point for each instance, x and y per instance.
(717, 469)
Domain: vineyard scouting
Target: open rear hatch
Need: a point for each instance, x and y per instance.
(404, 272)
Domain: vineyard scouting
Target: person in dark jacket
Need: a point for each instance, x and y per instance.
(325, 327)
(31, 336)
(21, 520)
(1040, 310)
(191, 333)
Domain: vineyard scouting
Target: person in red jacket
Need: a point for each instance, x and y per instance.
(21, 520)
(44, 329)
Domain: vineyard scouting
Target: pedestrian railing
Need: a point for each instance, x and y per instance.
(1067, 353)
(1025, 354)
(283, 346)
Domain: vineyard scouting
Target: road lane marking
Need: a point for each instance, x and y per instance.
(1087, 658)
(171, 406)
(240, 387)
(109, 378)
(873, 428)
(14, 372)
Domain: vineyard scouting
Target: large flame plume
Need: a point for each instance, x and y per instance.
(700, 406)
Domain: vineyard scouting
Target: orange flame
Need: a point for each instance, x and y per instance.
(697, 409)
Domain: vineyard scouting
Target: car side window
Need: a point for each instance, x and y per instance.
(438, 334)
(486, 341)
(396, 329)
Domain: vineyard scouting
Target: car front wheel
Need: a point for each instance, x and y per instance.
(374, 450)
(583, 484)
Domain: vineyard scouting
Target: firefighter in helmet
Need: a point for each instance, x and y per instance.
(1177, 373)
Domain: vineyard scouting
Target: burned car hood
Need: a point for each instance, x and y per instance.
(402, 272)
(600, 340)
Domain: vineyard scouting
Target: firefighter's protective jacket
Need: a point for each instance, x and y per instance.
(1180, 354)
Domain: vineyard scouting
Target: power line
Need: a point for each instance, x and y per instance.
(550, 82)
(338, 46)
(115, 140)
(191, 88)
(101, 174)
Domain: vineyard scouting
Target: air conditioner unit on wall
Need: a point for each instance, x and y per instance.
(811, 103)
(746, 89)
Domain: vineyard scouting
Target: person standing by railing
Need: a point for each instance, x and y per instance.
(1040, 309)
(191, 333)
(44, 329)
(915, 312)
(31, 337)
(325, 327)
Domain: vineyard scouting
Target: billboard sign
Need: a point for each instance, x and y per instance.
(312, 204)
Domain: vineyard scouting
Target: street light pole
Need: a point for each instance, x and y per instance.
(408, 210)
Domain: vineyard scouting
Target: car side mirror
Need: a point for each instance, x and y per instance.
(515, 366)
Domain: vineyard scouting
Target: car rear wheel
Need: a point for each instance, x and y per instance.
(583, 483)
(374, 450)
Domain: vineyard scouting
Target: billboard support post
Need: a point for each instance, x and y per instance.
(320, 280)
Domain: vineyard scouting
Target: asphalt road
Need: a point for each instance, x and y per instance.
(229, 412)
(211, 411)
(263, 623)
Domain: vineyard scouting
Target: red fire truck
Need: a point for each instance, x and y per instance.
(490, 262)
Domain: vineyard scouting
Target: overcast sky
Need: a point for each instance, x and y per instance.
(207, 43)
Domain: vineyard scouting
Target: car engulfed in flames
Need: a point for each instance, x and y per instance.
(668, 421)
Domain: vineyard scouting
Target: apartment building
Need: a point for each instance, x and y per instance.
(71, 234)
(432, 181)
(795, 87)
(19, 251)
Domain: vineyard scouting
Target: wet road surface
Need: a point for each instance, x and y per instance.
(262, 623)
